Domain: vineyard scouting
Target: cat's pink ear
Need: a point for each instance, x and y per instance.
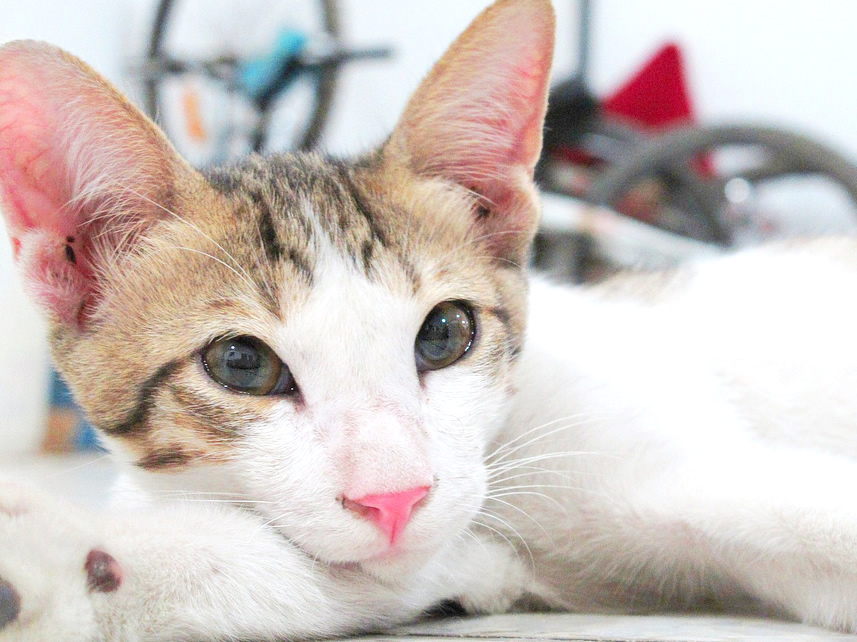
(477, 118)
(82, 173)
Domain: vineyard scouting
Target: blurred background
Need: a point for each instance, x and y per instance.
(677, 129)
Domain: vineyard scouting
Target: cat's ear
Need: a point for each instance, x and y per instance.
(477, 118)
(82, 174)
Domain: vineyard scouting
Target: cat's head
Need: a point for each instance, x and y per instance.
(333, 341)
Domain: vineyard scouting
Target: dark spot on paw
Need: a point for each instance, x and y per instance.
(10, 604)
(103, 573)
(70, 256)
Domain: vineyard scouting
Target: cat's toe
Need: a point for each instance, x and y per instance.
(10, 604)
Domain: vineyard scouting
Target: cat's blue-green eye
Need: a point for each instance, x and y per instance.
(245, 364)
(445, 336)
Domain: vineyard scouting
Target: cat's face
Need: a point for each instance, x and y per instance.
(355, 262)
(293, 331)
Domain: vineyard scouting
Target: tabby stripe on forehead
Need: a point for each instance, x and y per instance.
(362, 206)
(302, 265)
(224, 181)
(368, 249)
(135, 424)
(274, 250)
(410, 271)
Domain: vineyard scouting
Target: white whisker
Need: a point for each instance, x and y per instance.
(508, 448)
(72, 469)
(521, 511)
(491, 514)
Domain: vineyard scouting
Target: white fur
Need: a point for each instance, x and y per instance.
(714, 433)
(654, 452)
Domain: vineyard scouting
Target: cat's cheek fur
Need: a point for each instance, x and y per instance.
(366, 421)
(300, 477)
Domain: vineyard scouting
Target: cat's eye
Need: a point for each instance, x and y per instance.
(445, 336)
(245, 364)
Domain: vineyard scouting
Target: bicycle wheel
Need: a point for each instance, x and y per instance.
(751, 159)
(197, 56)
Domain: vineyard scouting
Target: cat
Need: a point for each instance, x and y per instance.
(339, 398)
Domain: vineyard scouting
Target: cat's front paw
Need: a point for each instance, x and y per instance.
(53, 569)
(496, 580)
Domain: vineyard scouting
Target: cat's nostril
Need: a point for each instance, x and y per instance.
(390, 512)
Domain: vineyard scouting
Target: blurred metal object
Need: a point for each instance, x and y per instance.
(229, 78)
(578, 241)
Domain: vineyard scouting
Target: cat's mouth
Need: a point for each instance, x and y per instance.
(377, 532)
(391, 554)
(381, 559)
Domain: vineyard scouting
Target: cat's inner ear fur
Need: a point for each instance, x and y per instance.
(477, 120)
(82, 174)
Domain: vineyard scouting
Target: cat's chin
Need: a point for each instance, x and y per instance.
(394, 564)
(390, 562)
(388, 565)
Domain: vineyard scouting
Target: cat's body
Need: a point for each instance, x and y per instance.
(707, 416)
(328, 392)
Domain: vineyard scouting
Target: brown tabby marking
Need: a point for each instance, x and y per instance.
(212, 421)
(262, 219)
(171, 457)
(137, 421)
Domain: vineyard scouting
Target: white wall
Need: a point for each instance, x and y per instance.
(786, 61)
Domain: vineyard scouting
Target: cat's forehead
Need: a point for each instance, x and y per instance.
(292, 200)
(300, 209)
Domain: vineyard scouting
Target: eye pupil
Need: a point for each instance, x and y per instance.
(245, 364)
(445, 336)
(242, 357)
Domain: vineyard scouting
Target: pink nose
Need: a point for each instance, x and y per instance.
(391, 512)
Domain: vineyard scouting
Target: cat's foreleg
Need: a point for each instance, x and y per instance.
(188, 571)
(779, 523)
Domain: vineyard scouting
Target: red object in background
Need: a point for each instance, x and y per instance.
(656, 98)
